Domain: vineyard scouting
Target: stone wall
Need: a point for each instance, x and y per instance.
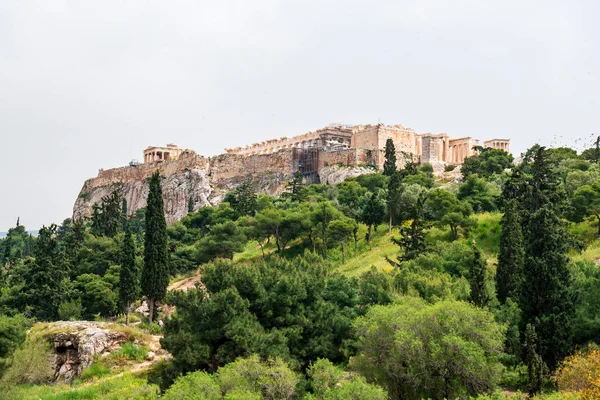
(202, 180)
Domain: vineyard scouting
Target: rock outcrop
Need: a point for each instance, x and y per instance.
(334, 174)
(203, 180)
(76, 344)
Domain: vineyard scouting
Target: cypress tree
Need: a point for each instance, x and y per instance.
(393, 195)
(509, 274)
(477, 280)
(536, 368)
(547, 300)
(129, 279)
(389, 165)
(190, 204)
(155, 275)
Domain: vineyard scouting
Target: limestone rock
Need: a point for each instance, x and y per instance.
(335, 174)
(74, 348)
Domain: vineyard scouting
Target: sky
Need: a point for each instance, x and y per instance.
(88, 84)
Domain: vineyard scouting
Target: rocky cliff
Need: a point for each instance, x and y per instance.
(204, 180)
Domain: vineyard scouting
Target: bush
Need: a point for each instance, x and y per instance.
(446, 350)
(30, 364)
(328, 384)
(449, 168)
(273, 378)
(581, 373)
(12, 335)
(196, 385)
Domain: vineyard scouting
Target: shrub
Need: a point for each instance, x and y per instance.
(196, 385)
(581, 373)
(12, 335)
(449, 168)
(30, 364)
(446, 350)
(273, 378)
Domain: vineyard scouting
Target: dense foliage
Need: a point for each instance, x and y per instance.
(466, 286)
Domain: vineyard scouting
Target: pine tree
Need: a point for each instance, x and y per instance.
(129, 281)
(46, 283)
(509, 274)
(155, 275)
(389, 165)
(536, 368)
(477, 281)
(295, 189)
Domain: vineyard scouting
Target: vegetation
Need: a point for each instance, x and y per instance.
(467, 288)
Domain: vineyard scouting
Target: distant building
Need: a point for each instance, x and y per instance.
(428, 147)
(159, 153)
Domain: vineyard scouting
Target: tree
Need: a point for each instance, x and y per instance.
(389, 165)
(448, 349)
(46, 282)
(295, 189)
(536, 368)
(546, 297)
(107, 216)
(487, 163)
(243, 199)
(412, 237)
(339, 232)
(443, 208)
(592, 154)
(394, 193)
(155, 274)
(509, 274)
(222, 242)
(586, 201)
(129, 277)
(479, 193)
(372, 212)
(294, 309)
(190, 204)
(478, 279)
(547, 300)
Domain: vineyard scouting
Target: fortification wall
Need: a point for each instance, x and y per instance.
(228, 166)
(187, 161)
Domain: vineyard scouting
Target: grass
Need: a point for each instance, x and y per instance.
(128, 352)
(97, 370)
(125, 386)
(367, 255)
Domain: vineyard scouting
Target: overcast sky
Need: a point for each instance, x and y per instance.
(88, 84)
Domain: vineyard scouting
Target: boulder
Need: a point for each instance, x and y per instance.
(76, 344)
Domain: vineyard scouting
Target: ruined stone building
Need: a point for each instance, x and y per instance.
(371, 139)
(327, 155)
(160, 153)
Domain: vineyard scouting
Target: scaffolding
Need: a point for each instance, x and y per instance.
(306, 162)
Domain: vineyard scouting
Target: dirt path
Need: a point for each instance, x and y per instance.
(157, 353)
(186, 284)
